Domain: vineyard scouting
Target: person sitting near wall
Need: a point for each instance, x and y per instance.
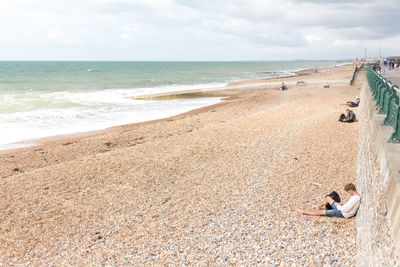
(283, 87)
(349, 117)
(353, 104)
(340, 210)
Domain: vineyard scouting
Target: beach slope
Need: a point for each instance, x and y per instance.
(212, 186)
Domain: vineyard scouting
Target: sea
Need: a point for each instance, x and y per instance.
(41, 99)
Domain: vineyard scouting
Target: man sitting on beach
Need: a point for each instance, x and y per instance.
(339, 210)
(283, 87)
(349, 117)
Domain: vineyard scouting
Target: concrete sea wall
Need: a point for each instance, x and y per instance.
(378, 182)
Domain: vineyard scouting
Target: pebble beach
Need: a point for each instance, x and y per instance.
(213, 186)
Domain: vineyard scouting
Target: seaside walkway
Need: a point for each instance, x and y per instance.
(393, 76)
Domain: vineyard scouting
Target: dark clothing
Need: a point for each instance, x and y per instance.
(335, 196)
(353, 104)
(349, 118)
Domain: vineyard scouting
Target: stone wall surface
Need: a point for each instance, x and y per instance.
(377, 220)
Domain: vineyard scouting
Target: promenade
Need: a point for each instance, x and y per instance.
(393, 76)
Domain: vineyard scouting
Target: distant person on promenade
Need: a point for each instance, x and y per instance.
(349, 117)
(353, 104)
(283, 87)
(340, 210)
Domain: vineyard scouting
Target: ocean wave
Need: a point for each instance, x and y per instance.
(17, 127)
(39, 99)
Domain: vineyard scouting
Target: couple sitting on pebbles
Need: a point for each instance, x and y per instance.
(350, 116)
(333, 206)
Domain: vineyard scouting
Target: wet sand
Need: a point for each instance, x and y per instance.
(215, 185)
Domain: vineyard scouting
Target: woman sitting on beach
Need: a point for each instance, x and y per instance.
(339, 210)
(353, 104)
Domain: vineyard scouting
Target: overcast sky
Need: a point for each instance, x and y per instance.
(197, 29)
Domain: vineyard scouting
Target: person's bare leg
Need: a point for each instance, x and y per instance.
(312, 213)
(327, 200)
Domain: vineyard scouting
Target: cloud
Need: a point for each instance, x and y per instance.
(196, 29)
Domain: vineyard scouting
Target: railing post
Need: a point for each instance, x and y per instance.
(387, 96)
(381, 90)
(395, 137)
(375, 87)
(393, 100)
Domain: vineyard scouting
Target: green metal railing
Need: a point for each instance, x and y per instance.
(387, 100)
(356, 68)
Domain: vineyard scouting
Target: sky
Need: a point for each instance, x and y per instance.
(198, 29)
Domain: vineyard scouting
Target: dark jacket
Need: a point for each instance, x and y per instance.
(354, 104)
(351, 117)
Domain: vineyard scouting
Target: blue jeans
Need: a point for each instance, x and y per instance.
(334, 212)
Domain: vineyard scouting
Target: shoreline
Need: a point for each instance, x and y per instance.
(232, 89)
(235, 88)
(241, 89)
(78, 135)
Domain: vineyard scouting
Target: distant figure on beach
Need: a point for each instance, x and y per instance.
(353, 104)
(283, 87)
(349, 117)
(339, 210)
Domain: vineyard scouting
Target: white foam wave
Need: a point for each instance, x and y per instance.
(96, 110)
